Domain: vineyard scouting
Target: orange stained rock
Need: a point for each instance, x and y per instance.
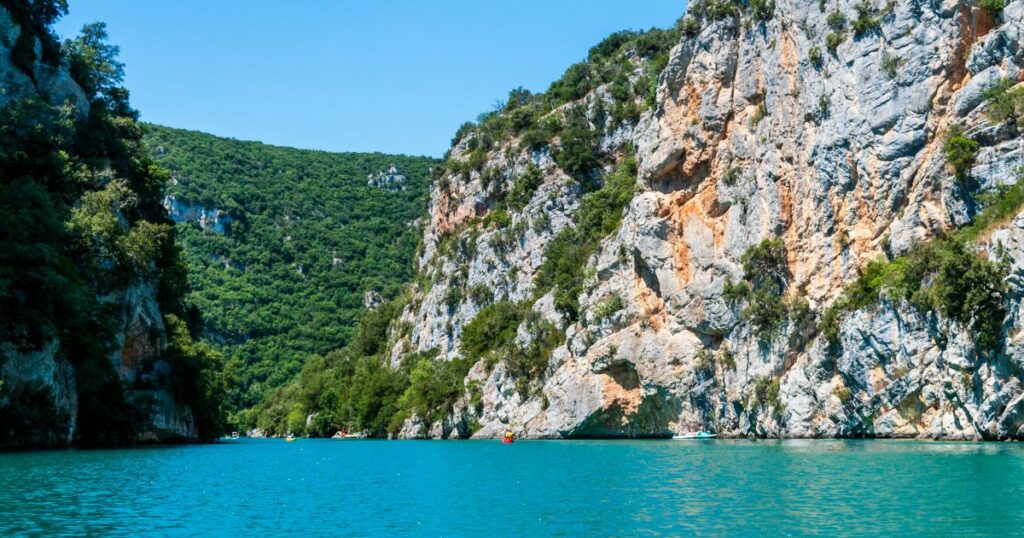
(615, 395)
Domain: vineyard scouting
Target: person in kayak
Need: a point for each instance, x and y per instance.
(509, 438)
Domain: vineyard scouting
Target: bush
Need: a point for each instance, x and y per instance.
(866, 20)
(727, 356)
(765, 270)
(493, 328)
(689, 26)
(497, 219)
(731, 176)
(705, 361)
(1005, 103)
(762, 113)
(833, 40)
(732, 292)
(434, 386)
(765, 266)
(722, 9)
(524, 186)
(836, 21)
(766, 392)
(762, 10)
(481, 294)
(997, 206)
(994, 7)
(960, 151)
(608, 306)
(946, 276)
(530, 363)
(198, 379)
(814, 56)
(766, 312)
(577, 153)
(891, 64)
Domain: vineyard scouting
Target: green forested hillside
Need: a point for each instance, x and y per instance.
(300, 237)
(81, 223)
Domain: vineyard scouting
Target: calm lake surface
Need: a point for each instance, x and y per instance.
(571, 488)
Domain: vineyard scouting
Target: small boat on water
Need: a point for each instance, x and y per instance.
(234, 435)
(694, 435)
(289, 437)
(508, 439)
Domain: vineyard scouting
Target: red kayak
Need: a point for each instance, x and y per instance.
(508, 441)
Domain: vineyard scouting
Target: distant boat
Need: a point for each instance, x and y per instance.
(508, 439)
(694, 435)
(345, 435)
(289, 437)
(234, 435)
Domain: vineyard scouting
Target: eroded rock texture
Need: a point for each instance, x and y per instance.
(758, 131)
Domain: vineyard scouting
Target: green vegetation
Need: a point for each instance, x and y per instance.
(530, 116)
(1005, 103)
(80, 218)
(765, 393)
(945, 275)
(525, 185)
(760, 114)
(491, 336)
(351, 388)
(530, 120)
(868, 19)
(704, 362)
(578, 152)
(837, 23)
(728, 358)
(608, 306)
(994, 7)
(960, 151)
(566, 256)
(307, 237)
(891, 64)
(815, 57)
(833, 40)
(493, 328)
(731, 176)
(762, 10)
(765, 271)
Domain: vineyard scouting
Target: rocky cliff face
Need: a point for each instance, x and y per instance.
(822, 124)
(40, 383)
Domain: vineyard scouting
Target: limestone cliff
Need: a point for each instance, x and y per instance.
(83, 342)
(825, 125)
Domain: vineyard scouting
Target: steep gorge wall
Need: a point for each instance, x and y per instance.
(41, 376)
(759, 130)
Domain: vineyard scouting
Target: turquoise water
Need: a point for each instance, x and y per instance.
(473, 488)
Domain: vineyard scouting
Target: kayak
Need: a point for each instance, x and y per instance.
(694, 435)
(290, 438)
(507, 441)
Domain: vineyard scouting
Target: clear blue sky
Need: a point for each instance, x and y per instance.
(397, 76)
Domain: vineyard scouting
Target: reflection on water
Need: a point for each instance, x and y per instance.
(322, 487)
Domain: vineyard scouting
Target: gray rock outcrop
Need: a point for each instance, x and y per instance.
(753, 136)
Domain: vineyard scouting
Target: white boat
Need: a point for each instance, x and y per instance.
(694, 435)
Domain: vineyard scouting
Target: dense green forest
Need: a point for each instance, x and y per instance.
(81, 219)
(283, 276)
